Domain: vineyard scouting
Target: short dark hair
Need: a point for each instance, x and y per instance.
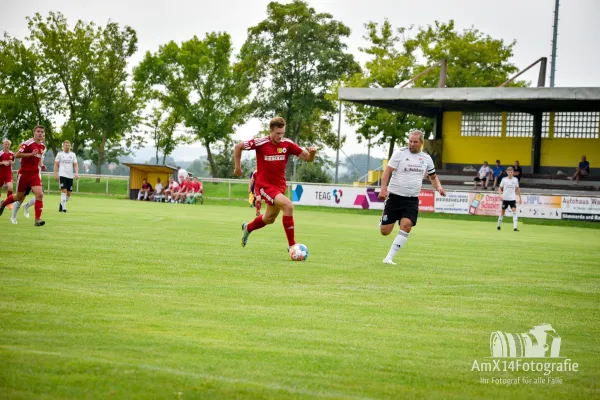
(277, 122)
(498, 161)
(39, 127)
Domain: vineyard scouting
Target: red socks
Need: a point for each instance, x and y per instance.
(39, 204)
(256, 224)
(9, 200)
(288, 226)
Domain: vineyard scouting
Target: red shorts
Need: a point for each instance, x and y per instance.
(5, 178)
(28, 179)
(268, 193)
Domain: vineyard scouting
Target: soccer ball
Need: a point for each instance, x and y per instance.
(298, 252)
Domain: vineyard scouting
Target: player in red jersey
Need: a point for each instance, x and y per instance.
(272, 154)
(31, 153)
(7, 159)
(253, 192)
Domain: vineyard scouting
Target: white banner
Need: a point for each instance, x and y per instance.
(336, 196)
(537, 206)
(581, 208)
(453, 203)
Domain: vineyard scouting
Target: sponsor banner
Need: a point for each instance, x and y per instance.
(545, 207)
(580, 217)
(581, 205)
(427, 201)
(453, 203)
(485, 204)
(335, 196)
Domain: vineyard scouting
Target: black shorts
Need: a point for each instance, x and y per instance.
(397, 207)
(66, 183)
(509, 204)
(478, 179)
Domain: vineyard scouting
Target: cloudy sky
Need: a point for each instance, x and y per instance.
(529, 22)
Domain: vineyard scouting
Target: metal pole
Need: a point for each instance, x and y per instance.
(443, 73)
(522, 72)
(337, 152)
(554, 38)
(542, 74)
(368, 158)
(77, 187)
(229, 190)
(414, 78)
(106, 185)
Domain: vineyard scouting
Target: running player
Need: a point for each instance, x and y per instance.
(272, 155)
(30, 152)
(7, 159)
(407, 167)
(509, 186)
(65, 168)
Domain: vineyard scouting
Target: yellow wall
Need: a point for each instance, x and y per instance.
(138, 175)
(568, 152)
(476, 149)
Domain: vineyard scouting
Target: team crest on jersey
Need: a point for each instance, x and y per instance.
(282, 150)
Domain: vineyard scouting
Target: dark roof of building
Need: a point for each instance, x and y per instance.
(429, 102)
(152, 167)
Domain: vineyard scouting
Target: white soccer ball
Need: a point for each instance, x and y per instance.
(298, 252)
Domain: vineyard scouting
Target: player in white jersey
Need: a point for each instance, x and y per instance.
(509, 188)
(65, 168)
(407, 167)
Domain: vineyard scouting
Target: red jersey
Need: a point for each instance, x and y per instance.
(31, 164)
(6, 156)
(271, 159)
(196, 187)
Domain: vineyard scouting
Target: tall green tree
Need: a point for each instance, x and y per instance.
(68, 59)
(163, 126)
(27, 96)
(201, 83)
(115, 109)
(293, 58)
(474, 59)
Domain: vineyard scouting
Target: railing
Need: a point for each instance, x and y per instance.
(90, 183)
(366, 177)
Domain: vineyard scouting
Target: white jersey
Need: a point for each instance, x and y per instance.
(509, 188)
(484, 172)
(158, 188)
(65, 163)
(410, 168)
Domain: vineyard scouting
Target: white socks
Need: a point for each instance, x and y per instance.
(399, 241)
(515, 220)
(500, 220)
(16, 206)
(30, 203)
(63, 200)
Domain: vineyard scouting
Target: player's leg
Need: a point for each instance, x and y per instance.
(262, 220)
(22, 183)
(515, 217)
(287, 207)
(406, 224)
(501, 216)
(38, 192)
(28, 204)
(63, 199)
(9, 188)
(257, 202)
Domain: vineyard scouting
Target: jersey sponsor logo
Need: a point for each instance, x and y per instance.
(275, 158)
(413, 169)
(281, 150)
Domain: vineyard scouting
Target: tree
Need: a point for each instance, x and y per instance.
(27, 96)
(293, 58)
(223, 159)
(312, 172)
(199, 81)
(67, 59)
(163, 131)
(474, 59)
(114, 111)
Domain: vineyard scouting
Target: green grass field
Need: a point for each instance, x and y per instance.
(126, 299)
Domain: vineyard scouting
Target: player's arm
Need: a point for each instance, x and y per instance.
(437, 185)
(308, 154)
(56, 165)
(518, 191)
(237, 158)
(385, 180)
(21, 154)
(76, 166)
(250, 185)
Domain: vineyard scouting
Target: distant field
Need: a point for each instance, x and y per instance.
(129, 299)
